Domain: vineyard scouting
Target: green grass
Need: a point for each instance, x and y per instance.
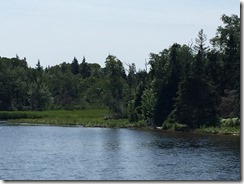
(173, 126)
(87, 118)
(227, 126)
(95, 118)
(220, 130)
(230, 126)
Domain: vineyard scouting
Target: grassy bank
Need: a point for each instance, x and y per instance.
(227, 126)
(96, 118)
(230, 126)
(88, 118)
(220, 130)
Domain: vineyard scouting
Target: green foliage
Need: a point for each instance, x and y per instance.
(166, 71)
(6, 115)
(116, 86)
(196, 103)
(193, 86)
(148, 105)
(200, 43)
(174, 126)
(170, 119)
(75, 66)
(39, 96)
(230, 30)
(230, 122)
(227, 42)
(85, 69)
(133, 115)
(227, 126)
(87, 118)
(14, 79)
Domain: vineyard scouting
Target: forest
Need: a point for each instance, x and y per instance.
(193, 84)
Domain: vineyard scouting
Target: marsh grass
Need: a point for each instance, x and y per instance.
(230, 126)
(87, 118)
(95, 118)
(227, 126)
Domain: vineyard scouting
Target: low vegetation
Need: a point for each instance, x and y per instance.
(100, 118)
(227, 126)
(87, 118)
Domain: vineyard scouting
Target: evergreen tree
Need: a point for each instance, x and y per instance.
(75, 66)
(39, 68)
(85, 69)
(196, 103)
(167, 73)
(131, 79)
(200, 43)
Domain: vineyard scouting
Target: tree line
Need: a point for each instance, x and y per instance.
(191, 84)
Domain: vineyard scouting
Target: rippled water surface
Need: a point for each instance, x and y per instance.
(76, 153)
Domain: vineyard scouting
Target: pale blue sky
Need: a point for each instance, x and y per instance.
(55, 31)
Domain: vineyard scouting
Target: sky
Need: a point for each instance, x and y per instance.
(56, 31)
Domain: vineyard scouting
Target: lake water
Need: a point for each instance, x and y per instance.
(77, 153)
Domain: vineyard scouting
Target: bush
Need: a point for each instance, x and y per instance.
(230, 122)
(171, 118)
(166, 125)
(17, 115)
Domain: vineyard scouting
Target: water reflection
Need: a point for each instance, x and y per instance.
(69, 153)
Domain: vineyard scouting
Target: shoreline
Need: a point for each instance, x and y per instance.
(96, 118)
(215, 130)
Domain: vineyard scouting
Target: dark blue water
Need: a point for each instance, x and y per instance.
(76, 153)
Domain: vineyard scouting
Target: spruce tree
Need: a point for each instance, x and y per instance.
(75, 66)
